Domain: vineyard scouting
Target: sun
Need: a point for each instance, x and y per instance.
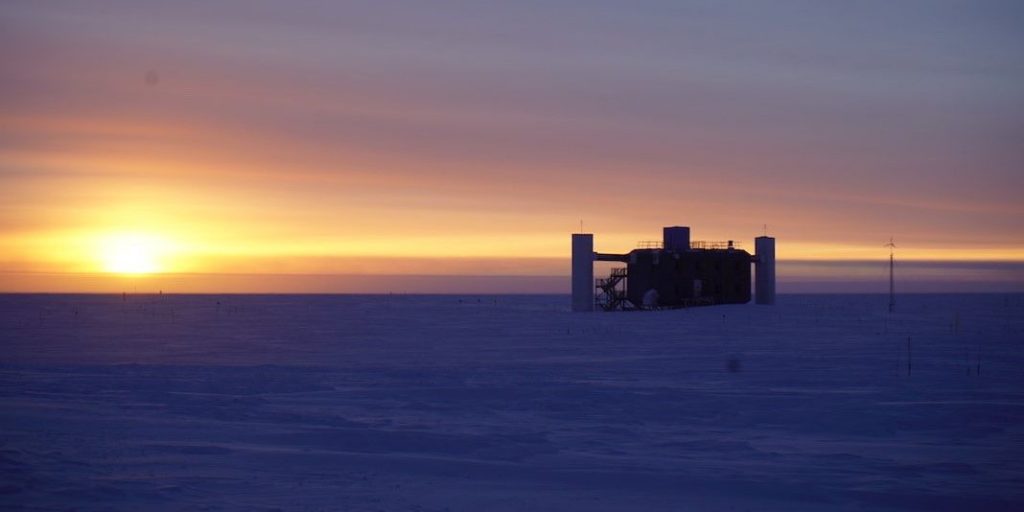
(132, 253)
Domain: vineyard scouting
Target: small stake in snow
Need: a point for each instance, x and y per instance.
(908, 356)
(967, 354)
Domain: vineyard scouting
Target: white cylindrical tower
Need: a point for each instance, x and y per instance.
(582, 272)
(764, 270)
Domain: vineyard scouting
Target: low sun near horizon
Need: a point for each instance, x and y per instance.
(404, 143)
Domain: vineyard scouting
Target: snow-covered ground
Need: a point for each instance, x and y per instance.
(509, 403)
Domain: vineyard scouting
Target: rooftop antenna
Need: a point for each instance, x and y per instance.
(581, 226)
(766, 230)
(892, 282)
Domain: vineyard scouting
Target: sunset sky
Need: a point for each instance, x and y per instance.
(259, 146)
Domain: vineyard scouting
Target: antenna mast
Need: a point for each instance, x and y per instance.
(892, 282)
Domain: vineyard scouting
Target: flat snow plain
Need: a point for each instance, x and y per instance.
(509, 403)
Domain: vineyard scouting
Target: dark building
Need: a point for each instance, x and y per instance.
(678, 273)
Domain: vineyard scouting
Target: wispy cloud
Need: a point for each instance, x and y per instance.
(464, 129)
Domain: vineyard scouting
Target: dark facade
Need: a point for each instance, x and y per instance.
(688, 277)
(676, 273)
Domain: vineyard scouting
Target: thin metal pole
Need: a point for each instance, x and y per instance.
(892, 280)
(892, 284)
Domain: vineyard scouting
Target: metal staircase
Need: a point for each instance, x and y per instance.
(612, 291)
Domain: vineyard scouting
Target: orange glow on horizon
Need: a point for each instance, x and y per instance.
(273, 148)
(211, 249)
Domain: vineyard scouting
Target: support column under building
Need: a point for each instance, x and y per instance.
(583, 272)
(764, 270)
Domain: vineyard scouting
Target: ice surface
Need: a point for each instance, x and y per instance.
(426, 403)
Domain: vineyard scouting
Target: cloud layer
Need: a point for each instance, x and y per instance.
(257, 131)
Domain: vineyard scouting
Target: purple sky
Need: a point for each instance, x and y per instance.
(270, 137)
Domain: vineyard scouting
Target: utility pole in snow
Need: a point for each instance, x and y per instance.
(892, 281)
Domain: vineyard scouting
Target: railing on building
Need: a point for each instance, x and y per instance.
(703, 244)
(695, 245)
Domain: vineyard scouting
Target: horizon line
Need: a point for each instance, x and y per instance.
(99, 273)
(520, 294)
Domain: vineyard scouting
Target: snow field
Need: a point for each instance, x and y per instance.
(509, 403)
